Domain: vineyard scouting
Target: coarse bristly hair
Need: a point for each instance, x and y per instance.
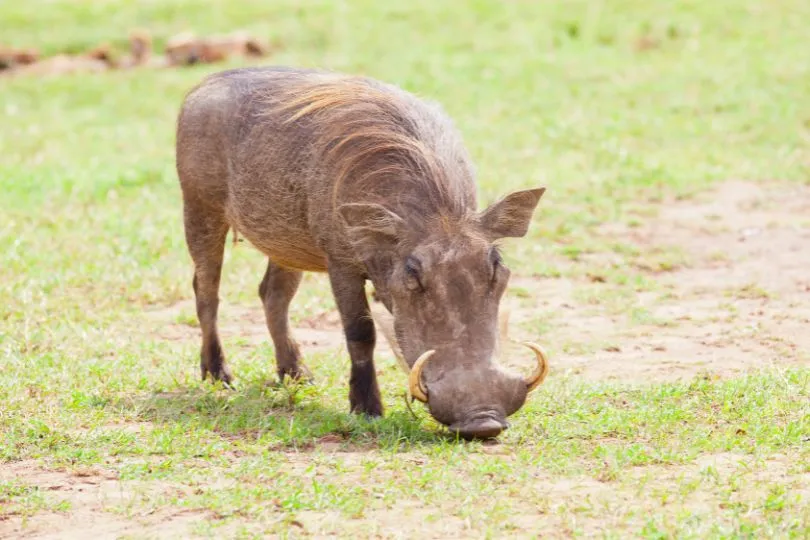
(382, 141)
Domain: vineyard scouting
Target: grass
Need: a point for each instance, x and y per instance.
(616, 107)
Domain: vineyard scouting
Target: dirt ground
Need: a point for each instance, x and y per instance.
(100, 503)
(737, 299)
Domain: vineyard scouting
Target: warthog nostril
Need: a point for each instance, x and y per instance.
(485, 427)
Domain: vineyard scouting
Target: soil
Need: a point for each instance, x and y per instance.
(103, 507)
(739, 300)
(99, 507)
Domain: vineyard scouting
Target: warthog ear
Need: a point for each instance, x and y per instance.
(510, 217)
(371, 227)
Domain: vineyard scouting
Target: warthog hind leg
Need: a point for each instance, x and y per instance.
(276, 291)
(205, 235)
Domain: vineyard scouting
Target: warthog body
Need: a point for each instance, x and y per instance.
(325, 172)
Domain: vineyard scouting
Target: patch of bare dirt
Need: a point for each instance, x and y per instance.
(97, 506)
(318, 333)
(740, 301)
(178, 322)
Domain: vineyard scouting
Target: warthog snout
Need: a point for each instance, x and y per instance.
(482, 426)
(473, 403)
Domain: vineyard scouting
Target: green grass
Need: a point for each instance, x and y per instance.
(552, 93)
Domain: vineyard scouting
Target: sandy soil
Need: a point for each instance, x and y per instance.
(740, 299)
(101, 506)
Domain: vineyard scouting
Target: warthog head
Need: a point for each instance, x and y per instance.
(443, 280)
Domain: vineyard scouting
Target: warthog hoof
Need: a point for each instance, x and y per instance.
(300, 373)
(222, 374)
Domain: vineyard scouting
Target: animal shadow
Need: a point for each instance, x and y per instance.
(285, 415)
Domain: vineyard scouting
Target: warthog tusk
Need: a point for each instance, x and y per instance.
(415, 377)
(536, 378)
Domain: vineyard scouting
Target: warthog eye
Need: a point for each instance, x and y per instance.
(413, 273)
(497, 261)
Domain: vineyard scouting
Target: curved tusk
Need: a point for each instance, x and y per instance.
(415, 377)
(539, 375)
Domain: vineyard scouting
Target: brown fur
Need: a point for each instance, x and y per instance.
(364, 133)
(362, 180)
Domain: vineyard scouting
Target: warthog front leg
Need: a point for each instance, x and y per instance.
(277, 291)
(358, 326)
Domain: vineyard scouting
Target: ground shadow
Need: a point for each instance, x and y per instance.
(284, 415)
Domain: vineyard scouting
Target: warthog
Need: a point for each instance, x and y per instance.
(325, 172)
